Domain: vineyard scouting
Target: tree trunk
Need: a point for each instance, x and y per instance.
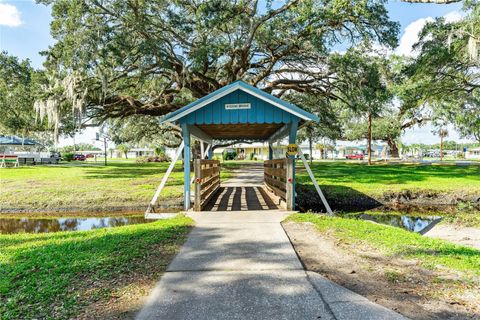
(392, 145)
(126, 156)
(370, 138)
(311, 149)
(441, 147)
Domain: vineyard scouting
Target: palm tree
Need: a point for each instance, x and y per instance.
(124, 148)
(442, 133)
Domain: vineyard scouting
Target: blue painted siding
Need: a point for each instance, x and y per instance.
(259, 112)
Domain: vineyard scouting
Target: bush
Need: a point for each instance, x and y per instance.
(229, 155)
(68, 157)
(252, 156)
(160, 158)
(159, 151)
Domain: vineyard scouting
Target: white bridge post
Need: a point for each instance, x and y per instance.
(151, 206)
(315, 183)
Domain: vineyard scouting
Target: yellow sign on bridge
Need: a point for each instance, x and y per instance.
(292, 149)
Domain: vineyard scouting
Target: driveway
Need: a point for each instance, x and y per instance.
(241, 265)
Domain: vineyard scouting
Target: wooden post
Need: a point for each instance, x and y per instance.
(270, 152)
(290, 185)
(186, 166)
(197, 167)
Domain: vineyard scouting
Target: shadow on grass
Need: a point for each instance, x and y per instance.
(458, 252)
(130, 170)
(340, 198)
(389, 174)
(61, 275)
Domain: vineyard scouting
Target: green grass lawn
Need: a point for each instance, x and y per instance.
(61, 275)
(431, 253)
(88, 187)
(344, 178)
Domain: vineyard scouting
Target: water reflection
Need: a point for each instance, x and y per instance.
(410, 223)
(9, 226)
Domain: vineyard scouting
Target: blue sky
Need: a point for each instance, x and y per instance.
(25, 31)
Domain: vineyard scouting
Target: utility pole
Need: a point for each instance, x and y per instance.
(105, 148)
(369, 138)
(97, 137)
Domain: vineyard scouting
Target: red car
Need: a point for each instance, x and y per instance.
(357, 156)
(79, 157)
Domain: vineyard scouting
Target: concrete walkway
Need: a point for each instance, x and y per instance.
(241, 265)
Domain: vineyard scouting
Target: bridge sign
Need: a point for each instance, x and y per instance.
(292, 149)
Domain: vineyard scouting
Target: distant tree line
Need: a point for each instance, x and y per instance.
(79, 147)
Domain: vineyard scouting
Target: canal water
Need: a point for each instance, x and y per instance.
(47, 225)
(407, 222)
(33, 225)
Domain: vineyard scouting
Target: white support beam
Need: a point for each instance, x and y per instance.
(200, 134)
(152, 204)
(279, 134)
(315, 183)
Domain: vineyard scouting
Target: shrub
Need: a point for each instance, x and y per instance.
(160, 158)
(67, 157)
(229, 155)
(159, 151)
(252, 156)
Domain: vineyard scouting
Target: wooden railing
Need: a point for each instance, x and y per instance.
(278, 177)
(207, 181)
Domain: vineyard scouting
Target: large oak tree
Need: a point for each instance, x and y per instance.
(445, 76)
(118, 58)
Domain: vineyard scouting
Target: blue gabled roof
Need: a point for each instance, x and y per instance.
(239, 84)
(16, 141)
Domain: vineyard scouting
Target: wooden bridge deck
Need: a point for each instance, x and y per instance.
(238, 198)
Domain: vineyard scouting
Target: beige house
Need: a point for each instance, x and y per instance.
(260, 150)
(257, 150)
(473, 153)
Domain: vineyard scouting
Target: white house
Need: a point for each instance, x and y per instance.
(135, 153)
(473, 153)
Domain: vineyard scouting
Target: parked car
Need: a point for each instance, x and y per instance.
(357, 156)
(90, 155)
(79, 157)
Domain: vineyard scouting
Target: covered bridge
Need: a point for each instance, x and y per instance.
(235, 112)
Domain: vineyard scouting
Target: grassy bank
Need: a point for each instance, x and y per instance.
(123, 185)
(100, 272)
(349, 178)
(431, 253)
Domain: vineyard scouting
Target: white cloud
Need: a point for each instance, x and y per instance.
(453, 16)
(9, 15)
(410, 36)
